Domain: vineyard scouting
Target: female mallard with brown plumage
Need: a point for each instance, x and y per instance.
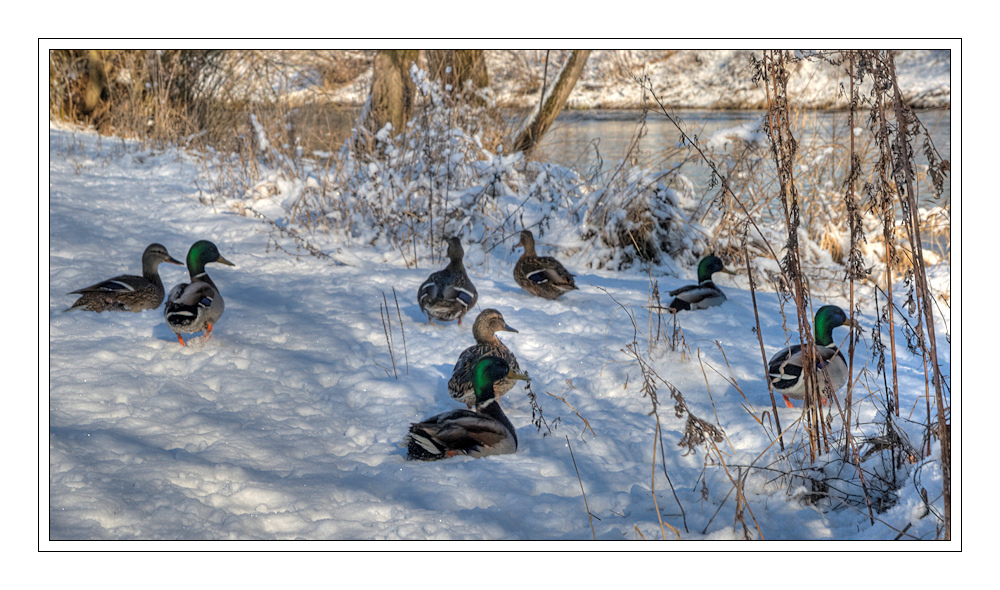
(128, 292)
(448, 294)
(480, 433)
(543, 276)
(484, 330)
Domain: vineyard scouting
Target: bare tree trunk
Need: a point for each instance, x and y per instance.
(456, 67)
(552, 102)
(393, 91)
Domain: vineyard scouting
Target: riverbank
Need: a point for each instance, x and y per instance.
(719, 79)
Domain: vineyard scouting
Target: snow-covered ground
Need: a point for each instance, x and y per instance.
(286, 423)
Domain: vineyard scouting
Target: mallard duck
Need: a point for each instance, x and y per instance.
(448, 294)
(485, 431)
(543, 276)
(785, 368)
(487, 344)
(703, 295)
(198, 305)
(128, 292)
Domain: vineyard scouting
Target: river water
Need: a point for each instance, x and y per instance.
(594, 142)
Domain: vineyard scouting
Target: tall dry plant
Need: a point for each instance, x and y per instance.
(890, 194)
(904, 177)
(803, 215)
(159, 96)
(773, 72)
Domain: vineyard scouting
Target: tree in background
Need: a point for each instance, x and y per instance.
(206, 96)
(393, 92)
(456, 67)
(552, 101)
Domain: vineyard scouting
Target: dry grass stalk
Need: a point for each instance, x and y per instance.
(905, 170)
(383, 310)
(402, 330)
(652, 484)
(590, 517)
(763, 354)
(537, 416)
(783, 149)
(586, 423)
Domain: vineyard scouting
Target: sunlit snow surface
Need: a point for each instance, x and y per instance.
(286, 423)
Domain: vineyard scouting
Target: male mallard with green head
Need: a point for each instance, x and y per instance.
(543, 276)
(785, 368)
(703, 295)
(198, 305)
(484, 330)
(448, 294)
(480, 433)
(128, 292)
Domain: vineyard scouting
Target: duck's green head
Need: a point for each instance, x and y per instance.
(488, 371)
(829, 317)
(202, 253)
(709, 265)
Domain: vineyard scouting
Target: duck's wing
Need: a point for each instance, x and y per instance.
(549, 271)
(188, 301)
(196, 293)
(455, 432)
(176, 292)
(119, 284)
(460, 384)
(681, 290)
(447, 286)
(785, 368)
(471, 430)
(459, 288)
(460, 294)
(428, 290)
(697, 296)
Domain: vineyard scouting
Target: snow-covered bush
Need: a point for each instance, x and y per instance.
(447, 174)
(644, 220)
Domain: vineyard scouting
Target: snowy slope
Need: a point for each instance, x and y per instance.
(286, 423)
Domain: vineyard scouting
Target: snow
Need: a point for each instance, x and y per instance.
(746, 133)
(285, 424)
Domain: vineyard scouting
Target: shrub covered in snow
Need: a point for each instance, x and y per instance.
(447, 174)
